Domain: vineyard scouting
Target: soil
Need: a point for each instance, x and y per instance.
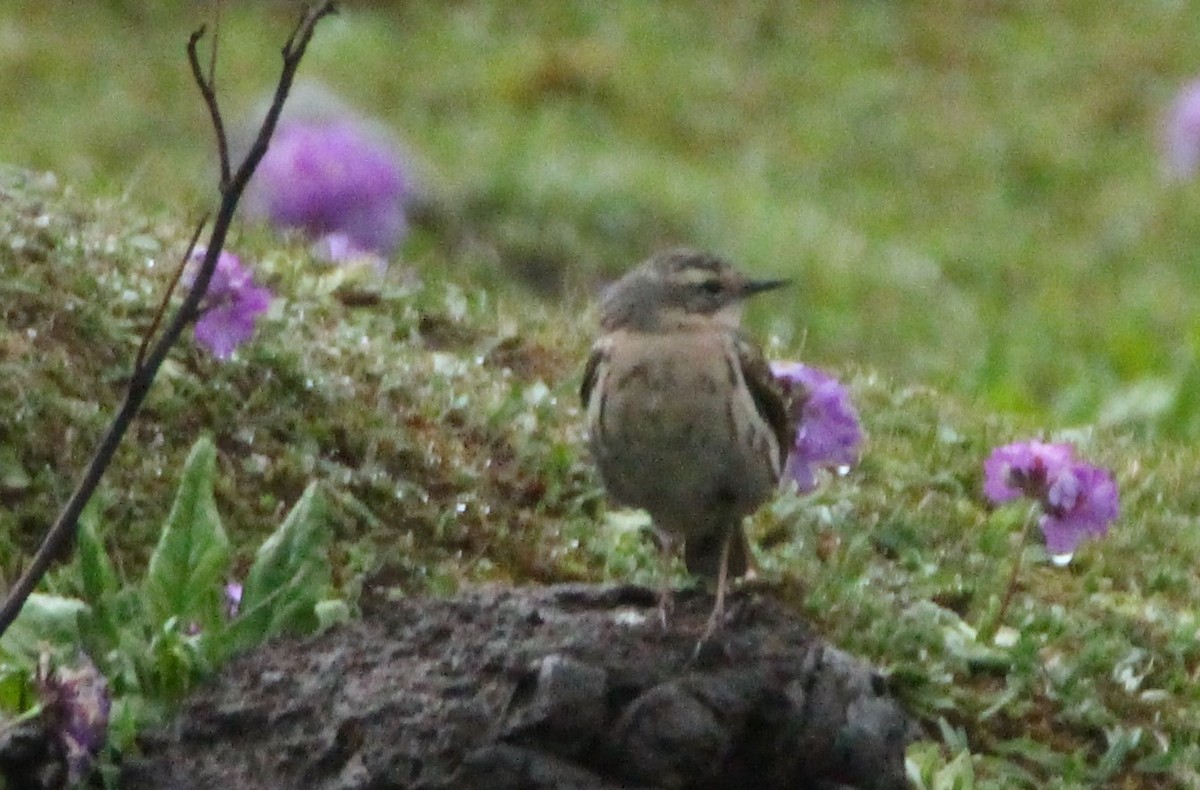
(573, 686)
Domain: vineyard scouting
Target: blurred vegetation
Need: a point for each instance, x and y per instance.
(969, 198)
(968, 195)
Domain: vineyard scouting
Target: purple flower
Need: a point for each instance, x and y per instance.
(233, 598)
(1024, 469)
(1084, 506)
(75, 707)
(1181, 133)
(334, 176)
(230, 306)
(233, 603)
(828, 433)
(1077, 499)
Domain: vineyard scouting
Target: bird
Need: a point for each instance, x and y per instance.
(683, 416)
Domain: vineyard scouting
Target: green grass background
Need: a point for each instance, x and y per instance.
(969, 197)
(967, 194)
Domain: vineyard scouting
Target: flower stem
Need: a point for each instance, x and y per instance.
(988, 631)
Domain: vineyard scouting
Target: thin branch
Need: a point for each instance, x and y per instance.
(293, 50)
(166, 300)
(143, 375)
(212, 55)
(208, 90)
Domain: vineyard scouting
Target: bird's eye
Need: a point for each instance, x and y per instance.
(711, 287)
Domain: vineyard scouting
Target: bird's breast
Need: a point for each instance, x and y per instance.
(674, 428)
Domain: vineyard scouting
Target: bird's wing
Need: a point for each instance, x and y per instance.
(768, 396)
(591, 371)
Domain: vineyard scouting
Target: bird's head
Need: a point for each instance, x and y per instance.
(679, 287)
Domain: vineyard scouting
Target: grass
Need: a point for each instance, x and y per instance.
(969, 198)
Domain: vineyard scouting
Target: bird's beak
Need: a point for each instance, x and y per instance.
(758, 286)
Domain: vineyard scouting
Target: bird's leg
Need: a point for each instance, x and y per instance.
(751, 573)
(718, 613)
(666, 600)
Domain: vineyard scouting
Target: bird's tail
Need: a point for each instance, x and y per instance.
(702, 553)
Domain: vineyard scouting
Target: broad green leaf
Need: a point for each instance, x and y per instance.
(99, 630)
(44, 620)
(95, 568)
(289, 576)
(189, 563)
(16, 689)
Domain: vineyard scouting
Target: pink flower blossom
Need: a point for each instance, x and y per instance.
(233, 598)
(1077, 499)
(828, 433)
(231, 305)
(334, 175)
(76, 706)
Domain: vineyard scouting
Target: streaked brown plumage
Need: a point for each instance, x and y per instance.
(684, 417)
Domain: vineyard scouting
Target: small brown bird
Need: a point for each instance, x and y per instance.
(684, 417)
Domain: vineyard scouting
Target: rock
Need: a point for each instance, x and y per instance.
(574, 686)
(31, 757)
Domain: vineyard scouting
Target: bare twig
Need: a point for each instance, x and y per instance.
(208, 90)
(166, 300)
(148, 363)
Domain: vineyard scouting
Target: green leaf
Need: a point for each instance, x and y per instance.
(16, 689)
(99, 578)
(44, 620)
(189, 563)
(100, 629)
(174, 661)
(289, 576)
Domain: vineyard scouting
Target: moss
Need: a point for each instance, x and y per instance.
(422, 408)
